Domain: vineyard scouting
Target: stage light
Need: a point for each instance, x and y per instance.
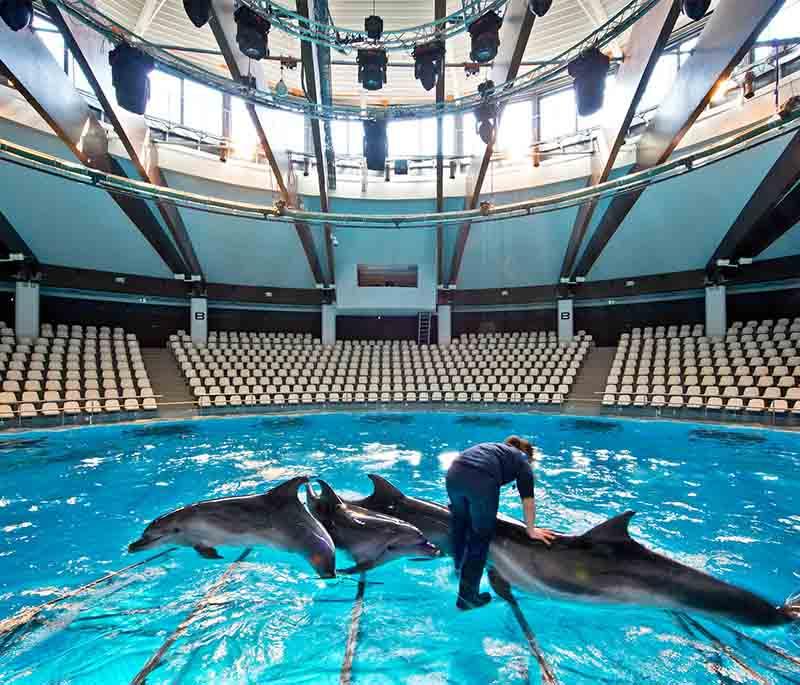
(749, 86)
(198, 11)
(539, 7)
(376, 144)
(486, 114)
(485, 33)
(696, 9)
(130, 69)
(428, 63)
(372, 64)
(589, 70)
(373, 25)
(18, 14)
(251, 33)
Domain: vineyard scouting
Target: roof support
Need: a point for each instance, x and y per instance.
(772, 210)
(148, 14)
(725, 40)
(91, 52)
(514, 34)
(313, 90)
(46, 87)
(440, 11)
(224, 28)
(648, 38)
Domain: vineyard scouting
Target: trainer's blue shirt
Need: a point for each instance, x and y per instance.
(502, 462)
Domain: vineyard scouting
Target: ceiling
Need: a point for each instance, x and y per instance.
(164, 22)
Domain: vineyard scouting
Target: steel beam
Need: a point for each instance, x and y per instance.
(223, 27)
(725, 40)
(771, 211)
(43, 83)
(647, 41)
(440, 11)
(514, 34)
(91, 50)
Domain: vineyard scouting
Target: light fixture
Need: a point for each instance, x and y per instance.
(280, 87)
(372, 64)
(539, 7)
(696, 9)
(376, 144)
(251, 33)
(486, 114)
(428, 62)
(130, 69)
(589, 69)
(373, 25)
(198, 11)
(18, 14)
(749, 86)
(485, 34)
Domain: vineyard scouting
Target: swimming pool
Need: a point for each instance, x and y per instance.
(717, 498)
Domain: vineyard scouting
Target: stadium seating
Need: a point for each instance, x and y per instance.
(753, 369)
(237, 369)
(72, 370)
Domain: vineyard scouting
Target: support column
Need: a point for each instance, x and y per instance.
(26, 309)
(328, 324)
(199, 323)
(566, 322)
(445, 323)
(716, 310)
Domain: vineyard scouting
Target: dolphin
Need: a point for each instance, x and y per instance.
(274, 519)
(372, 539)
(603, 565)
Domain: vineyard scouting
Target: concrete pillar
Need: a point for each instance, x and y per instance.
(716, 310)
(26, 309)
(199, 323)
(566, 321)
(444, 321)
(328, 324)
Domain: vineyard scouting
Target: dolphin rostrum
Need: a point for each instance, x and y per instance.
(370, 538)
(274, 519)
(604, 564)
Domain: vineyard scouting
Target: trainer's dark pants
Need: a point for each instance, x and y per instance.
(474, 499)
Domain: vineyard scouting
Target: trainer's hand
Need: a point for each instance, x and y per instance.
(541, 534)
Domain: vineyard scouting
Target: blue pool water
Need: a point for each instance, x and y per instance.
(720, 499)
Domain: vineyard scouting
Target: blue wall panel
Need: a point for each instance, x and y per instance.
(787, 245)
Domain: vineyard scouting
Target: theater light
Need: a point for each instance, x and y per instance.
(486, 114)
(428, 63)
(130, 70)
(18, 14)
(376, 144)
(373, 25)
(198, 11)
(485, 34)
(251, 33)
(696, 9)
(589, 70)
(372, 64)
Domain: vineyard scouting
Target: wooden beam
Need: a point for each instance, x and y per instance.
(769, 213)
(43, 83)
(648, 39)
(725, 40)
(514, 35)
(91, 50)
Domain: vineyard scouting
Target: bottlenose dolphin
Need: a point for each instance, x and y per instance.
(274, 519)
(604, 564)
(370, 538)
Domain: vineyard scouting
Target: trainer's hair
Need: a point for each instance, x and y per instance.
(521, 444)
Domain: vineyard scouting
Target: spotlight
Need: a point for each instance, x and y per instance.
(372, 64)
(485, 37)
(18, 14)
(130, 69)
(696, 9)
(374, 27)
(749, 86)
(376, 144)
(428, 61)
(251, 33)
(539, 7)
(486, 114)
(198, 11)
(589, 69)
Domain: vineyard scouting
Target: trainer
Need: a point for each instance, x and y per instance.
(474, 480)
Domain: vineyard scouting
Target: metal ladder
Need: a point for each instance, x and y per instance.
(424, 328)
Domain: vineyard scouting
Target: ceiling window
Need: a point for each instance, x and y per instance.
(52, 39)
(348, 137)
(165, 97)
(558, 115)
(405, 138)
(516, 128)
(661, 81)
(202, 108)
(783, 25)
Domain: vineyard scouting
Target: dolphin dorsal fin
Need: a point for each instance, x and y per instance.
(328, 494)
(613, 530)
(384, 490)
(287, 490)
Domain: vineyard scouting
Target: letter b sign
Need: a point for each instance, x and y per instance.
(199, 316)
